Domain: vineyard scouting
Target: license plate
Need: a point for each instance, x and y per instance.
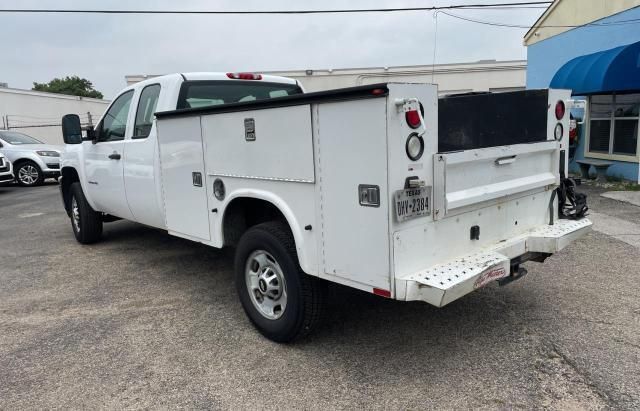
(412, 202)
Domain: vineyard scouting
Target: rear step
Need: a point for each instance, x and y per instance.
(443, 283)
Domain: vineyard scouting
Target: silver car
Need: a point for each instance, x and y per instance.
(6, 170)
(32, 160)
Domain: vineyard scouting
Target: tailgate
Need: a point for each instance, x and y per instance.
(473, 178)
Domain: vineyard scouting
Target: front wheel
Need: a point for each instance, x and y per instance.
(85, 221)
(281, 301)
(28, 174)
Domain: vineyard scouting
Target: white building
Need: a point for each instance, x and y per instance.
(38, 114)
(485, 75)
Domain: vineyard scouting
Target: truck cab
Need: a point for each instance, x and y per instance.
(117, 165)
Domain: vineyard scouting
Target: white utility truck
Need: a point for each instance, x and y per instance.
(384, 188)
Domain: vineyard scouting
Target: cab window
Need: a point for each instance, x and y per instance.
(205, 93)
(145, 112)
(114, 123)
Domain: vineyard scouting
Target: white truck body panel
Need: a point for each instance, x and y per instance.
(351, 143)
(282, 151)
(326, 150)
(185, 204)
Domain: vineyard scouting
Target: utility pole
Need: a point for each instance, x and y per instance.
(90, 120)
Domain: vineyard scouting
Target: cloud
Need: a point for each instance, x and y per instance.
(104, 48)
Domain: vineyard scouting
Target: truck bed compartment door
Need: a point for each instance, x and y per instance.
(352, 160)
(183, 177)
(470, 179)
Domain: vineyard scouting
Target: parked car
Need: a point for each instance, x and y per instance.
(33, 161)
(6, 170)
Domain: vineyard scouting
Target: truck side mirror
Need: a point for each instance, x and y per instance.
(71, 129)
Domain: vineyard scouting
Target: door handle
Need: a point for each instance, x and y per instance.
(505, 160)
(115, 156)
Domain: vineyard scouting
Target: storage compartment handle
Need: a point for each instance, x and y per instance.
(506, 160)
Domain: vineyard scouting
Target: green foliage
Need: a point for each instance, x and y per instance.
(618, 183)
(72, 85)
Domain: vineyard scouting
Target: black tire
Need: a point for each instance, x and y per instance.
(305, 295)
(32, 174)
(88, 227)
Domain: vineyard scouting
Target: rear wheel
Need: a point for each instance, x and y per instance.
(282, 301)
(85, 221)
(28, 174)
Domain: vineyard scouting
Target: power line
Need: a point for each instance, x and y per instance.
(498, 24)
(241, 12)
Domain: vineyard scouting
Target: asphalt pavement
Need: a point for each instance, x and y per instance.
(146, 320)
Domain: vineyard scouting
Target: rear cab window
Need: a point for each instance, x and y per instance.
(195, 94)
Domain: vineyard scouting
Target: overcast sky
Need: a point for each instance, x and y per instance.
(104, 48)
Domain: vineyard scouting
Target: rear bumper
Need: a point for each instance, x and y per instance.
(441, 284)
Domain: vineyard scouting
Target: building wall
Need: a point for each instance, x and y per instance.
(38, 114)
(564, 13)
(544, 58)
(451, 78)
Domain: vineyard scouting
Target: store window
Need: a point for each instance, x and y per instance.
(614, 124)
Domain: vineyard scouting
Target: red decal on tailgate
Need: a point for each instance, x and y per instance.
(490, 275)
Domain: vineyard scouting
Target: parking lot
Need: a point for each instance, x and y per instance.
(144, 319)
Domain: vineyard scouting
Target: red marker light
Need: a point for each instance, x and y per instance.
(560, 110)
(378, 91)
(382, 293)
(413, 119)
(245, 76)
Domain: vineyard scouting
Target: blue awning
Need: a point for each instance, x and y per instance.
(609, 71)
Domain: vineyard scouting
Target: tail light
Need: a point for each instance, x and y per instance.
(413, 118)
(245, 76)
(558, 132)
(414, 146)
(560, 110)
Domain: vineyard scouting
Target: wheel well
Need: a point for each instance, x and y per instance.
(243, 213)
(19, 161)
(69, 176)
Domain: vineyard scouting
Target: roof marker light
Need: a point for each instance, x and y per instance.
(245, 76)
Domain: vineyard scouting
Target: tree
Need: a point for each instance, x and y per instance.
(72, 85)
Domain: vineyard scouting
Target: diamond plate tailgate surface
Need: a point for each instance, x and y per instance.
(443, 283)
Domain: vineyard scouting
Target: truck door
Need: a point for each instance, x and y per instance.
(104, 160)
(141, 160)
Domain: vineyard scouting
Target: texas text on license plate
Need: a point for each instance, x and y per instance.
(412, 202)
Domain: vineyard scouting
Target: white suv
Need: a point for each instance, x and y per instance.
(33, 161)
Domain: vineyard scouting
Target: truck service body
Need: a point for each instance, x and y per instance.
(384, 188)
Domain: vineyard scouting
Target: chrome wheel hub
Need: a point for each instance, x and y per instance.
(75, 214)
(266, 285)
(28, 174)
